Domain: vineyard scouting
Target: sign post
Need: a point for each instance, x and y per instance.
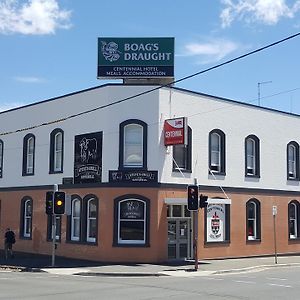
(55, 189)
(274, 211)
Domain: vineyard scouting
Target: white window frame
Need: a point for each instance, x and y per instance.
(215, 153)
(27, 219)
(139, 242)
(294, 220)
(139, 145)
(90, 219)
(251, 156)
(292, 154)
(75, 219)
(254, 220)
(30, 155)
(58, 146)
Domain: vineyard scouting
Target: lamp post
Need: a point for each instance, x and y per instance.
(258, 89)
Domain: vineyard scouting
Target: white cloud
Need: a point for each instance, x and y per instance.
(211, 51)
(268, 12)
(29, 79)
(36, 17)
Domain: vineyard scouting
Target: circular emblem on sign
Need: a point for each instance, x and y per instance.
(110, 51)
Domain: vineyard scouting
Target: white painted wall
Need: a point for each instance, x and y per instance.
(274, 129)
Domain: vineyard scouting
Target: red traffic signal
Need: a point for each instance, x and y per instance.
(192, 197)
(59, 203)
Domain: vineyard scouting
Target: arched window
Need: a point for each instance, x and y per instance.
(217, 152)
(252, 159)
(253, 220)
(293, 161)
(26, 217)
(182, 155)
(56, 151)
(1, 158)
(133, 144)
(293, 213)
(75, 219)
(91, 231)
(28, 154)
(132, 221)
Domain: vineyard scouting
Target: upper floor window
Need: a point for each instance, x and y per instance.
(293, 161)
(217, 151)
(182, 155)
(293, 214)
(253, 219)
(252, 159)
(26, 217)
(56, 151)
(28, 154)
(133, 144)
(1, 158)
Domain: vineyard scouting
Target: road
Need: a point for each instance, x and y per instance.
(275, 283)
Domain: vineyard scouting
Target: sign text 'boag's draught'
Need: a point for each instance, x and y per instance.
(135, 57)
(175, 131)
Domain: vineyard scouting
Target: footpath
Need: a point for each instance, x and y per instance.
(24, 262)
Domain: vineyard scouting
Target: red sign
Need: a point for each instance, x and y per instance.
(175, 131)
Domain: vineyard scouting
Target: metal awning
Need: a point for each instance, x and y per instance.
(183, 201)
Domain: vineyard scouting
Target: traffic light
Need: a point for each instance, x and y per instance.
(193, 201)
(203, 201)
(59, 203)
(49, 203)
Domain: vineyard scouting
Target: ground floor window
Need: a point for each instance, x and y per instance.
(26, 218)
(253, 220)
(131, 221)
(293, 212)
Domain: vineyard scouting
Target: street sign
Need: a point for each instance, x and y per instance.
(274, 210)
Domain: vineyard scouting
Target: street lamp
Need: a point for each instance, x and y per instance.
(258, 89)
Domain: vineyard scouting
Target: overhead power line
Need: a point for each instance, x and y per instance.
(153, 89)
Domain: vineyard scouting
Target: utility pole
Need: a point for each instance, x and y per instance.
(258, 89)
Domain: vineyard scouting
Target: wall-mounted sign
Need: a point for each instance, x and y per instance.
(215, 223)
(133, 176)
(175, 131)
(135, 57)
(88, 158)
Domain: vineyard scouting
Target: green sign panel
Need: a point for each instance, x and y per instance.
(135, 57)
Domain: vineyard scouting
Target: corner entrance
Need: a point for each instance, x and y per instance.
(179, 232)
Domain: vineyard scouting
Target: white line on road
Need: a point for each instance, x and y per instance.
(280, 285)
(244, 281)
(275, 278)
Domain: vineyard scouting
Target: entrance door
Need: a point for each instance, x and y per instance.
(179, 238)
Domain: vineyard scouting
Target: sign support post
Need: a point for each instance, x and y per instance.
(55, 189)
(196, 212)
(274, 226)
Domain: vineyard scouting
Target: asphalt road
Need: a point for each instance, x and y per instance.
(275, 283)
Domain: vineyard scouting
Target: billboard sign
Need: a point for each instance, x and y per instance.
(175, 131)
(135, 57)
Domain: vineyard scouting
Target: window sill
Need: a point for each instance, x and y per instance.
(293, 179)
(250, 241)
(146, 245)
(252, 176)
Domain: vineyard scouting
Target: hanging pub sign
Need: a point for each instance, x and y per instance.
(88, 158)
(215, 223)
(135, 57)
(175, 131)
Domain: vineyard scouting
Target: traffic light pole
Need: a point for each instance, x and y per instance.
(55, 189)
(196, 212)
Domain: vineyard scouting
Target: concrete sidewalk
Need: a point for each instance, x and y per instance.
(65, 266)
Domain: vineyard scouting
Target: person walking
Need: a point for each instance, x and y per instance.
(9, 240)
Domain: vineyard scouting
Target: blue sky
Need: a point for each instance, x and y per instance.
(49, 47)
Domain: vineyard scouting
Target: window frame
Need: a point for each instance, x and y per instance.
(26, 148)
(291, 176)
(53, 152)
(256, 231)
(1, 157)
(187, 155)
(296, 220)
(88, 218)
(73, 237)
(122, 137)
(25, 219)
(219, 169)
(255, 156)
(118, 242)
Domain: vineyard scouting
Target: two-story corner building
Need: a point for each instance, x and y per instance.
(104, 146)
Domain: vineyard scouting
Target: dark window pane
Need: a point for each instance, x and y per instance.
(132, 230)
(176, 210)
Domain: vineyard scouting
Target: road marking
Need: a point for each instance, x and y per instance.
(280, 285)
(212, 278)
(275, 278)
(244, 281)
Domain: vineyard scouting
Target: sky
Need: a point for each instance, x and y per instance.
(49, 47)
